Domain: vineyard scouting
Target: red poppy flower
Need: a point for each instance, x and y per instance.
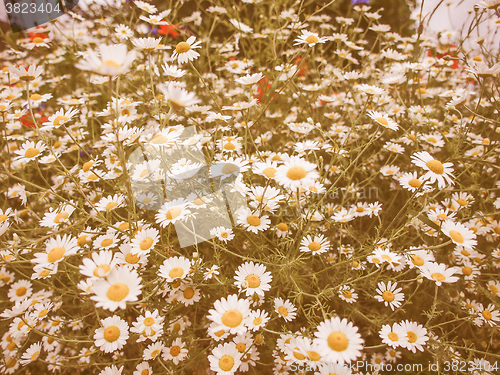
(169, 29)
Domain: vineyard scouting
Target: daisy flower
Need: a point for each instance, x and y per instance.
(29, 151)
(175, 268)
(347, 294)
(112, 60)
(153, 351)
(439, 273)
(31, 354)
(257, 319)
(314, 245)
(147, 325)
(389, 295)
(184, 51)
(110, 203)
(225, 359)
(99, 265)
(112, 335)
(309, 38)
(459, 234)
(222, 234)
(338, 340)
(106, 241)
(53, 218)
(177, 97)
(122, 285)
(56, 249)
(143, 368)
(20, 290)
(296, 172)
(487, 315)
(253, 278)
(394, 336)
(188, 295)
(145, 240)
(383, 119)
(230, 314)
(253, 223)
(249, 79)
(171, 212)
(285, 309)
(436, 170)
(59, 118)
(176, 353)
(146, 44)
(416, 336)
(29, 74)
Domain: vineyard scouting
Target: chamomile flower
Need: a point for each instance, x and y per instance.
(110, 203)
(56, 249)
(309, 38)
(296, 172)
(184, 51)
(439, 273)
(59, 118)
(389, 294)
(230, 314)
(175, 268)
(173, 211)
(31, 354)
(253, 278)
(416, 336)
(112, 335)
(122, 285)
(252, 222)
(29, 151)
(314, 245)
(459, 234)
(222, 234)
(394, 335)
(285, 309)
(383, 120)
(257, 319)
(225, 359)
(145, 240)
(436, 170)
(347, 294)
(99, 265)
(176, 352)
(338, 340)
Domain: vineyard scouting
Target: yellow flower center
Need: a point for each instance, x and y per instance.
(106, 242)
(314, 246)
(102, 270)
(312, 39)
(382, 121)
(188, 293)
(435, 166)
(229, 146)
(36, 97)
(175, 350)
(173, 213)
(253, 220)
(146, 243)
(111, 205)
(269, 172)
(438, 276)
(117, 292)
(226, 362)
(456, 236)
(3, 218)
(415, 183)
(232, 318)
(111, 334)
(31, 152)
(412, 337)
(176, 272)
(347, 294)
(59, 216)
(111, 63)
(60, 119)
(257, 321)
(283, 311)
(462, 202)
(467, 271)
(253, 281)
(338, 341)
(55, 254)
(182, 47)
(282, 227)
(486, 314)
(21, 291)
(296, 173)
(388, 296)
(393, 336)
(241, 347)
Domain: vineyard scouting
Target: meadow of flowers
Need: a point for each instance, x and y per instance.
(367, 157)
